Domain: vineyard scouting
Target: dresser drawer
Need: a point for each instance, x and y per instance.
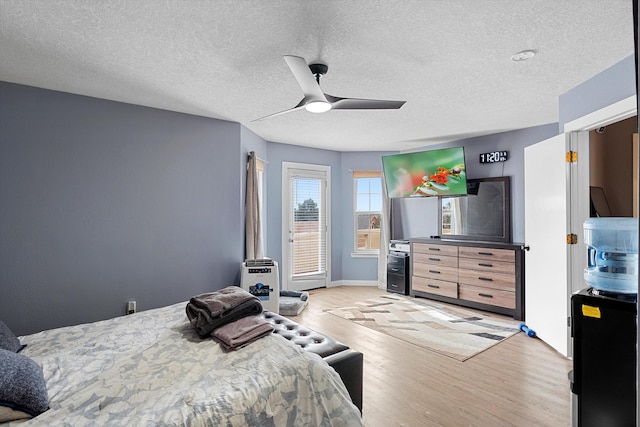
(489, 266)
(497, 297)
(425, 248)
(487, 279)
(469, 273)
(487, 254)
(432, 286)
(437, 272)
(435, 259)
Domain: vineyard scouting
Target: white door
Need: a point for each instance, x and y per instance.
(546, 188)
(306, 226)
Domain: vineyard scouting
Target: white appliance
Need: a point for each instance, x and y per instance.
(400, 246)
(260, 278)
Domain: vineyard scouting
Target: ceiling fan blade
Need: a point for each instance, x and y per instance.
(305, 78)
(363, 104)
(297, 107)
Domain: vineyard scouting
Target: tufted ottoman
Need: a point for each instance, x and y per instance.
(346, 362)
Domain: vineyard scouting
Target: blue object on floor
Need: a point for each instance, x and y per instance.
(530, 332)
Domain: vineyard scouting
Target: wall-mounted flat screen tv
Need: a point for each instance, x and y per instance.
(426, 173)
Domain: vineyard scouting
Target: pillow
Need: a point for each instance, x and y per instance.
(23, 391)
(8, 341)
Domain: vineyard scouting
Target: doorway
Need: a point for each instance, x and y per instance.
(552, 322)
(613, 161)
(306, 226)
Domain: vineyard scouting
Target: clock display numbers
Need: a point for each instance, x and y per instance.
(494, 157)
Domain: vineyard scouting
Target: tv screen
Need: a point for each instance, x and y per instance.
(426, 173)
(484, 214)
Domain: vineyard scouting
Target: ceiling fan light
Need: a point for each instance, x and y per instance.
(317, 106)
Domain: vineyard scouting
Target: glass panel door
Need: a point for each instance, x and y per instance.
(305, 207)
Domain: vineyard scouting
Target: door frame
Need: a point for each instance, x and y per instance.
(579, 199)
(285, 279)
(578, 130)
(576, 133)
(605, 116)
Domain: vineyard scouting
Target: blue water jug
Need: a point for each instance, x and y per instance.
(612, 249)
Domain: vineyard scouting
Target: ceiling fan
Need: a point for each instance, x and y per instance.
(316, 101)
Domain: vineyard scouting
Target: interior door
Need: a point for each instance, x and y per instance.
(306, 224)
(547, 290)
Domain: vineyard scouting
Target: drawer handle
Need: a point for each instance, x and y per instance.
(486, 279)
(434, 286)
(435, 249)
(434, 271)
(394, 269)
(485, 265)
(486, 295)
(434, 259)
(485, 253)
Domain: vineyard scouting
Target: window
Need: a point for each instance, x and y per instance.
(367, 211)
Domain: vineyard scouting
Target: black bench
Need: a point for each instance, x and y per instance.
(346, 362)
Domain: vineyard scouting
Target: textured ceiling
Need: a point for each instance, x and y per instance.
(450, 60)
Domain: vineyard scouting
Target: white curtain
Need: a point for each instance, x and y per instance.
(253, 233)
(385, 236)
(456, 216)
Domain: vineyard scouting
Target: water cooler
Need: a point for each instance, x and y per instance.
(603, 326)
(260, 278)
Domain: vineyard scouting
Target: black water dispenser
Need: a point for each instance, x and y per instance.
(604, 326)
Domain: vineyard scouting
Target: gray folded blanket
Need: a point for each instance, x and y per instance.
(209, 311)
(235, 335)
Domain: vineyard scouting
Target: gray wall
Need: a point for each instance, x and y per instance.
(104, 202)
(343, 266)
(419, 217)
(355, 268)
(605, 88)
(278, 153)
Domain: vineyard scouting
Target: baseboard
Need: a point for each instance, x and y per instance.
(353, 283)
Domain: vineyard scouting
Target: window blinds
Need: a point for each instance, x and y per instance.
(308, 230)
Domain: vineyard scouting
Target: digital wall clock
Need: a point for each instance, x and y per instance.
(494, 157)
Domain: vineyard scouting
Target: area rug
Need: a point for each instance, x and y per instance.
(446, 329)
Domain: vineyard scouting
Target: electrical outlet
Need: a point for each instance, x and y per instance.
(131, 307)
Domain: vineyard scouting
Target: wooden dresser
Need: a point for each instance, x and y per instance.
(484, 275)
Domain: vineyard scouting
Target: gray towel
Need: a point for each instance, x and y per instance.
(209, 311)
(243, 331)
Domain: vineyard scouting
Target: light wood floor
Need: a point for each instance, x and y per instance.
(519, 382)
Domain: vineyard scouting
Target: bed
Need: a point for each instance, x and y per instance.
(151, 368)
